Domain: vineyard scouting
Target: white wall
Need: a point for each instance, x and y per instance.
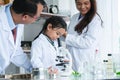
(73, 9)
(107, 29)
(109, 14)
(119, 18)
(64, 7)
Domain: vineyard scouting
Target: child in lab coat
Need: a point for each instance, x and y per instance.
(44, 47)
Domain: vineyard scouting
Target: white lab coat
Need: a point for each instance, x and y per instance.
(43, 54)
(10, 52)
(82, 47)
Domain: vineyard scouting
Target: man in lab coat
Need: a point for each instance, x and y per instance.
(12, 17)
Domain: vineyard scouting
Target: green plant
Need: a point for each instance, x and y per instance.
(118, 73)
(75, 73)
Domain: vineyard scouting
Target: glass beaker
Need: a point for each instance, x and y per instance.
(116, 60)
(38, 74)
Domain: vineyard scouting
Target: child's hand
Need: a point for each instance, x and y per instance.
(52, 70)
(66, 60)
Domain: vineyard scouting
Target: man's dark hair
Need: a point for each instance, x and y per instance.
(26, 6)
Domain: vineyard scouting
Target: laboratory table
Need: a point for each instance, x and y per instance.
(29, 77)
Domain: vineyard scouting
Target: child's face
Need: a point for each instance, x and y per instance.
(55, 33)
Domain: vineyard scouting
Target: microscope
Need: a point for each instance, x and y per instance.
(64, 62)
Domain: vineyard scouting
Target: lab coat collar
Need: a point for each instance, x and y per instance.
(4, 20)
(51, 42)
(42, 36)
(9, 17)
(80, 16)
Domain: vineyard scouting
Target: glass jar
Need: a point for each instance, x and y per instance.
(38, 74)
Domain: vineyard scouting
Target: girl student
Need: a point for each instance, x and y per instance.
(44, 47)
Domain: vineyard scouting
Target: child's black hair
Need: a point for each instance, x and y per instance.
(56, 21)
